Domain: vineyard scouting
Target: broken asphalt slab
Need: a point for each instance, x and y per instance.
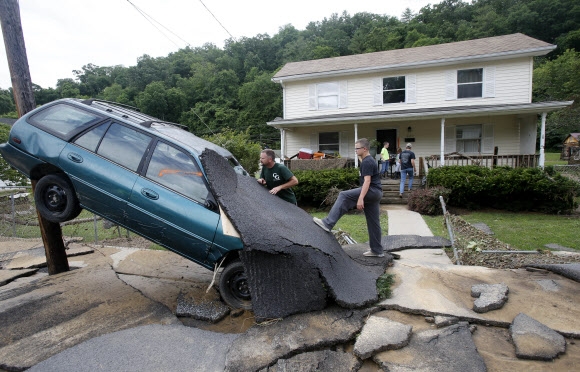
(292, 265)
(570, 271)
(431, 288)
(440, 350)
(394, 243)
(145, 348)
(533, 340)
(43, 317)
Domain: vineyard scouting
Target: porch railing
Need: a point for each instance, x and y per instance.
(489, 161)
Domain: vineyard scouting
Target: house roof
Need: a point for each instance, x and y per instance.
(491, 48)
(422, 114)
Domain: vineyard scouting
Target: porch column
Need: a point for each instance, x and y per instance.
(282, 144)
(542, 140)
(442, 141)
(355, 139)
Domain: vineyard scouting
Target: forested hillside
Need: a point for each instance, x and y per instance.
(210, 89)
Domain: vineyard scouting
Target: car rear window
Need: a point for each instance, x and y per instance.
(63, 120)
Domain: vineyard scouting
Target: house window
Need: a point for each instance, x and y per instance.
(328, 141)
(327, 96)
(394, 89)
(470, 83)
(468, 138)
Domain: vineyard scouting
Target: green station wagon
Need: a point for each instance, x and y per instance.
(135, 170)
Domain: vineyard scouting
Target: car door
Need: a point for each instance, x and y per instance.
(103, 164)
(168, 201)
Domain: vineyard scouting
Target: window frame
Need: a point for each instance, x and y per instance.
(404, 89)
(315, 95)
(470, 83)
(328, 144)
(462, 141)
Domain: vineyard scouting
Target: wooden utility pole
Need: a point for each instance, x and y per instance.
(24, 98)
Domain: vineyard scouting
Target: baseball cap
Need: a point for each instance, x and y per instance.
(409, 145)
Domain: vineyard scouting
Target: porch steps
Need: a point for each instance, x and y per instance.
(391, 190)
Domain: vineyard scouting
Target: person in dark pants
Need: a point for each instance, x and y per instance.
(408, 168)
(366, 198)
(277, 177)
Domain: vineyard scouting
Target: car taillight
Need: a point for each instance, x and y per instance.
(16, 140)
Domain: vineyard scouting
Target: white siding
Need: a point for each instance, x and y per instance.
(512, 85)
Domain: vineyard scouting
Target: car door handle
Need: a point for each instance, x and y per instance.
(75, 157)
(148, 193)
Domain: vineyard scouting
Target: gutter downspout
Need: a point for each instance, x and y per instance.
(442, 141)
(355, 139)
(542, 140)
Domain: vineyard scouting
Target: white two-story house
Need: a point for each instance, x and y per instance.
(469, 97)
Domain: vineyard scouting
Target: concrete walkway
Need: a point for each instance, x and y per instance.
(402, 221)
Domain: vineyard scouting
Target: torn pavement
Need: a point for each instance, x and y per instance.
(292, 265)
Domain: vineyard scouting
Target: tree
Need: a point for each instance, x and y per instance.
(6, 102)
(241, 146)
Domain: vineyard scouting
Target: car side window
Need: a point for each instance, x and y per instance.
(124, 146)
(177, 171)
(90, 140)
(63, 120)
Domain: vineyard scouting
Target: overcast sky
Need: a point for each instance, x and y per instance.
(64, 35)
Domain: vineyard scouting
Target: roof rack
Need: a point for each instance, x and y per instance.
(129, 112)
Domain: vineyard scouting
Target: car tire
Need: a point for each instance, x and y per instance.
(234, 287)
(55, 199)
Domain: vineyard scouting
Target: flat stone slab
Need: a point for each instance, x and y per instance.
(534, 340)
(6, 276)
(324, 360)
(405, 222)
(210, 309)
(570, 271)
(394, 243)
(41, 318)
(145, 348)
(380, 334)
(489, 296)
(433, 289)
(263, 345)
(446, 349)
(158, 264)
(36, 257)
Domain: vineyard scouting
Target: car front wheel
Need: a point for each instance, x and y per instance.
(234, 287)
(55, 199)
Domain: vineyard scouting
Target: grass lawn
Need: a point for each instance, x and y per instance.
(553, 158)
(354, 224)
(525, 231)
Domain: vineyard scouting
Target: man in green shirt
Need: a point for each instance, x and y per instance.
(384, 159)
(277, 177)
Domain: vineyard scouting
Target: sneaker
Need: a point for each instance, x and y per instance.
(373, 254)
(319, 222)
(401, 196)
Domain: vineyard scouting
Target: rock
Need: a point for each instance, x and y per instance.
(489, 296)
(483, 227)
(208, 309)
(262, 345)
(324, 360)
(534, 340)
(380, 334)
(444, 321)
(439, 350)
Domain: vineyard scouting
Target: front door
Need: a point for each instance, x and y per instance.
(389, 135)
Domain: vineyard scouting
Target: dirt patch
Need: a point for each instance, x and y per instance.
(470, 242)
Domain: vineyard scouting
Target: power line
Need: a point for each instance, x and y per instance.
(217, 20)
(150, 19)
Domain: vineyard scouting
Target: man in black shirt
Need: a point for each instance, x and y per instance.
(366, 198)
(408, 168)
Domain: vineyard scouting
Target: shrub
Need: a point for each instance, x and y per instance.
(426, 201)
(241, 146)
(315, 185)
(514, 189)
